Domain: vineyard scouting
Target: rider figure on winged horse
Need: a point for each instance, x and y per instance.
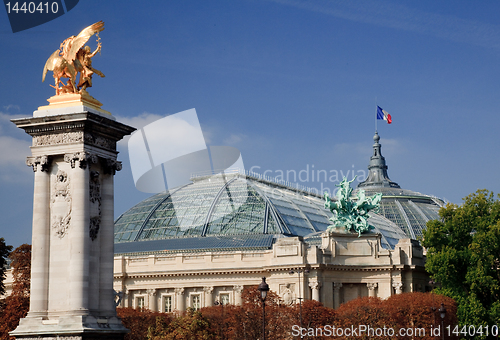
(73, 57)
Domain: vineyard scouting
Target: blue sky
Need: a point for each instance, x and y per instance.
(292, 84)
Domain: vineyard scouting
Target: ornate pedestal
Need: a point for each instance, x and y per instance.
(74, 160)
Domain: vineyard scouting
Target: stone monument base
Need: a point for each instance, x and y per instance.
(70, 103)
(81, 327)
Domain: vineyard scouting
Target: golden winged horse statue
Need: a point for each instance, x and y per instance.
(72, 58)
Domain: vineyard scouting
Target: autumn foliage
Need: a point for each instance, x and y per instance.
(404, 311)
(16, 305)
(139, 320)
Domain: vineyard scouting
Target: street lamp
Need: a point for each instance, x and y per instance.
(442, 313)
(263, 288)
(299, 271)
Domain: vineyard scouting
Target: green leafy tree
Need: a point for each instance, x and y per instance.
(463, 257)
(4, 253)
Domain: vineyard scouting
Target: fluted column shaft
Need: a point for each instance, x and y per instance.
(79, 241)
(106, 234)
(40, 244)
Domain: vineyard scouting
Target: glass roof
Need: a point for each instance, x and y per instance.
(229, 206)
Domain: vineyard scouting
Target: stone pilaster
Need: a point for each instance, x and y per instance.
(315, 287)
(336, 294)
(372, 286)
(152, 300)
(181, 300)
(209, 300)
(237, 294)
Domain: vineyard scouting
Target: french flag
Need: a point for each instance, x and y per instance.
(383, 114)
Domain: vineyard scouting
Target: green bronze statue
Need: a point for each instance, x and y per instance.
(350, 214)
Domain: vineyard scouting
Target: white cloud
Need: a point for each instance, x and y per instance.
(13, 159)
(12, 106)
(234, 139)
(395, 15)
(141, 120)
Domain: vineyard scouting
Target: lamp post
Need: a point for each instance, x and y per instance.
(299, 271)
(263, 288)
(442, 313)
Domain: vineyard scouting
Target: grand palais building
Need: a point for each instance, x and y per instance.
(204, 242)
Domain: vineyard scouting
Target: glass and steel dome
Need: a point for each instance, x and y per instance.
(232, 211)
(410, 210)
(247, 211)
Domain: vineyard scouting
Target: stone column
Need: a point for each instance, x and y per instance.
(79, 235)
(126, 298)
(209, 296)
(398, 286)
(40, 238)
(152, 305)
(179, 292)
(315, 286)
(336, 294)
(237, 294)
(371, 289)
(106, 234)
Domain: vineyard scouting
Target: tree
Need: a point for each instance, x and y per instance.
(4, 253)
(17, 303)
(463, 257)
(419, 311)
(139, 320)
(192, 326)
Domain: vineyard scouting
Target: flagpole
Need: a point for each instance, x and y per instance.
(376, 114)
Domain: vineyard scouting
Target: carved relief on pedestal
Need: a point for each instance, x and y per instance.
(42, 161)
(95, 204)
(58, 138)
(74, 137)
(60, 202)
(287, 293)
(100, 141)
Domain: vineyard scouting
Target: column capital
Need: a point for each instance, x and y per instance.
(209, 289)
(315, 284)
(84, 158)
(238, 288)
(111, 166)
(179, 291)
(39, 162)
(337, 285)
(372, 285)
(151, 291)
(398, 286)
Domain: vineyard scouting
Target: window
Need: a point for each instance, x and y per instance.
(139, 302)
(167, 304)
(224, 299)
(195, 302)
